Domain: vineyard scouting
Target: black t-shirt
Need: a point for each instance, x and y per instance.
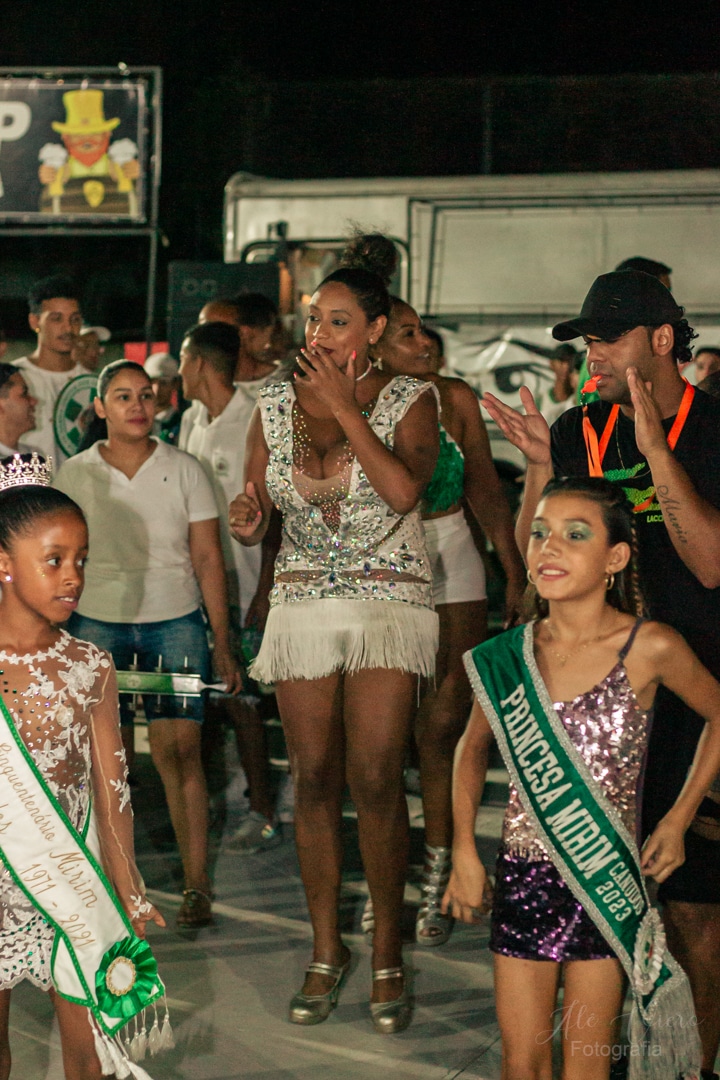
(672, 592)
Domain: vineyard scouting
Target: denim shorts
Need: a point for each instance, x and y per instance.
(175, 640)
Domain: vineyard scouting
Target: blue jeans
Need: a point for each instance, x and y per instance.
(177, 641)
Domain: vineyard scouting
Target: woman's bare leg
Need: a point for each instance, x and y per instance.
(176, 751)
(378, 709)
(311, 712)
(525, 999)
(592, 1004)
(80, 1061)
(443, 715)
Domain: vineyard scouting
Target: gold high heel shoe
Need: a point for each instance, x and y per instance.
(314, 1008)
(390, 1017)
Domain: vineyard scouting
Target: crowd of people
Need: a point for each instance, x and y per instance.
(318, 526)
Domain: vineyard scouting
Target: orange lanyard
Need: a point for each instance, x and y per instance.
(596, 450)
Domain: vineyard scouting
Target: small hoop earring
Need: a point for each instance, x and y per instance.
(529, 577)
(609, 582)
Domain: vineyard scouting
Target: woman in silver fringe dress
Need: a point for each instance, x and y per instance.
(345, 451)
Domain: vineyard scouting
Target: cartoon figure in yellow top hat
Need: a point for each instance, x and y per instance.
(88, 174)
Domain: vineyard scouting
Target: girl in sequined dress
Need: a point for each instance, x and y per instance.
(62, 696)
(601, 665)
(345, 451)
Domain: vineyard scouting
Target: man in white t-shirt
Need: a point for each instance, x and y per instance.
(56, 319)
(255, 317)
(216, 437)
(17, 411)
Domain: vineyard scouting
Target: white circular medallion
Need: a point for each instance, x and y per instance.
(120, 976)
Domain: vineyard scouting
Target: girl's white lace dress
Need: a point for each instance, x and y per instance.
(64, 704)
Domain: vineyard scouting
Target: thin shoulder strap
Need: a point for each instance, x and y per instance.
(628, 644)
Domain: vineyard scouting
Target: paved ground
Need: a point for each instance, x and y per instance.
(229, 985)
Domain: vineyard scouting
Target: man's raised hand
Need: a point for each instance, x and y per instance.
(529, 432)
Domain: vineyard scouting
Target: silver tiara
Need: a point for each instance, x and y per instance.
(14, 472)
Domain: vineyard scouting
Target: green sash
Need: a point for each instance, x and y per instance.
(590, 847)
(97, 960)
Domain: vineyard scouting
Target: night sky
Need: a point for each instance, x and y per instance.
(217, 60)
(333, 38)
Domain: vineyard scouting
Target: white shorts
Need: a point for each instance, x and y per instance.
(458, 571)
(308, 639)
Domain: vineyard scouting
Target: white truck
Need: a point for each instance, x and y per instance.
(491, 261)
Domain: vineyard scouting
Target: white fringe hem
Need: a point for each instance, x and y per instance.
(309, 639)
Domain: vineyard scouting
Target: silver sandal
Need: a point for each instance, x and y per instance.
(314, 1008)
(367, 919)
(431, 926)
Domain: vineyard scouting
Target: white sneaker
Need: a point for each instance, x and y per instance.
(256, 834)
(285, 802)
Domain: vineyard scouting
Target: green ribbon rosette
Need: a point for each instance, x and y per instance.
(127, 979)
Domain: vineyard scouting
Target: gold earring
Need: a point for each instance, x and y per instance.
(609, 581)
(529, 577)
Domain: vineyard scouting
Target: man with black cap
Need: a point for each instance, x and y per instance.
(659, 438)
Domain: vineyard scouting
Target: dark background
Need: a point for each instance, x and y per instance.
(366, 88)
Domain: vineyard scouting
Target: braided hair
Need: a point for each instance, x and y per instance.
(617, 514)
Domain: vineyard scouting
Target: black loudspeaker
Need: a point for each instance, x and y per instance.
(192, 284)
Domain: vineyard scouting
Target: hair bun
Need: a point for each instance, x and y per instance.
(371, 252)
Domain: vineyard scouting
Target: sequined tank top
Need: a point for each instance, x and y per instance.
(610, 731)
(340, 540)
(447, 486)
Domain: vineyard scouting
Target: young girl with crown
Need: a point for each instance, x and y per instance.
(73, 909)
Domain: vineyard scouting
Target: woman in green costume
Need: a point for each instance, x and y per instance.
(464, 479)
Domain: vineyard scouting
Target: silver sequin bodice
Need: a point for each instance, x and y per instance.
(373, 553)
(610, 731)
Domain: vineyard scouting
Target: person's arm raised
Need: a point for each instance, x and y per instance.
(485, 495)
(399, 476)
(249, 512)
(693, 524)
(531, 435)
(467, 893)
(259, 608)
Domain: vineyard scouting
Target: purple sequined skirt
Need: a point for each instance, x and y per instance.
(536, 917)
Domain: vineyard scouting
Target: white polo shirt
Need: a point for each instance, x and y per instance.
(7, 451)
(139, 569)
(219, 446)
(45, 386)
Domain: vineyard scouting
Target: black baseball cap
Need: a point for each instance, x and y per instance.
(619, 302)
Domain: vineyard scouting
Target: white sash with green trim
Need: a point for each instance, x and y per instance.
(590, 847)
(97, 961)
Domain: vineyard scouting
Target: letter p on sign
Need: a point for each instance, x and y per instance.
(15, 117)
